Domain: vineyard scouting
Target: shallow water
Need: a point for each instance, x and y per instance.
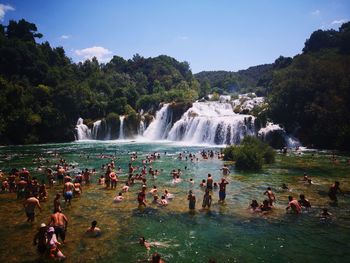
(228, 233)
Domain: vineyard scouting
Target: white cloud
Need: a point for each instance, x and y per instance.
(341, 21)
(4, 9)
(316, 12)
(65, 36)
(102, 54)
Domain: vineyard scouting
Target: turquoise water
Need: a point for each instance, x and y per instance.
(227, 233)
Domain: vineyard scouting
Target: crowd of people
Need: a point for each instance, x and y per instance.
(113, 177)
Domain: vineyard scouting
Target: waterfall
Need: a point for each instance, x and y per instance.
(160, 126)
(96, 129)
(141, 128)
(82, 131)
(213, 123)
(121, 128)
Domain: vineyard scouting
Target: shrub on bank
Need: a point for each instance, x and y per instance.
(251, 154)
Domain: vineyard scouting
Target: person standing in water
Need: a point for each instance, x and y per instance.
(59, 222)
(141, 197)
(191, 200)
(57, 203)
(222, 191)
(270, 195)
(40, 239)
(68, 191)
(29, 207)
(293, 203)
(206, 199)
(225, 170)
(333, 190)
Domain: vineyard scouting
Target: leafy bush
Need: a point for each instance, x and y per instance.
(251, 154)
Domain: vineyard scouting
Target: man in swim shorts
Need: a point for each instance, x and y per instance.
(59, 222)
(29, 207)
(222, 191)
(68, 191)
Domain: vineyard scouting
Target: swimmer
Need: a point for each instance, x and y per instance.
(119, 198)
(203, 184)
(101, 180)
(125, 188)
(163, 201)
(270, 195)
(254, 205)
(154, 190)
(304, 202)
(225, 170)
(284, 187)
(325, 213)
(265, 206)
(168, 195)
(144, 243)
(293, 203)
(93, 231)
(333, 190)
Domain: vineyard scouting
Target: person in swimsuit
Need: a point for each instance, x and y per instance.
(270, 195)
(210, 182)
(77, 189)
(333, 190)
(57, 203)
(40, 239)
(293, 203)
(222, 191)
(304, 202)
(59, 222)
(93, 231)
(141, 197)
(206, 199)
(68, 191)
(191, 200)
(29, 206)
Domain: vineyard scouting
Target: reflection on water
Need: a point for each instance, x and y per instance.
(228, 232)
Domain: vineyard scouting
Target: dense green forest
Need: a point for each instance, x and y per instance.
(43, 93)
(311, 96)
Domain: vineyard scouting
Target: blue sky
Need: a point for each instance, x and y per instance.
(210, 35)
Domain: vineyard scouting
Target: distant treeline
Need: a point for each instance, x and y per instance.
(42, 92)
(308, 94)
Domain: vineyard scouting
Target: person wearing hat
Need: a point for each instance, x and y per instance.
(53, 244)
(40, 239)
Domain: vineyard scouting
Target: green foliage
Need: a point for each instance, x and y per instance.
(250, 155)
(42, 93)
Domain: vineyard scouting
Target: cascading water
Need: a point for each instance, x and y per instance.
(121, 128)
(82, 131)
(205, 122)
(160, 126)
(141, 128)
(213, 123)
(96, 129)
